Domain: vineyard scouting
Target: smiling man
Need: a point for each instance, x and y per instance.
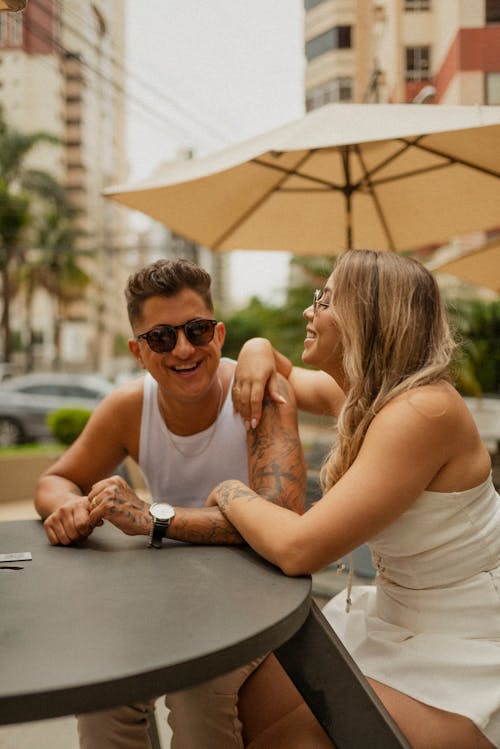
(178, 423)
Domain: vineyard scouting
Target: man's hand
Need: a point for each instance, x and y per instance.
(70, 523)
(114, 500)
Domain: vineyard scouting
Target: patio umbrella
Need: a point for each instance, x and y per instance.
(480, 267)
(387, 176)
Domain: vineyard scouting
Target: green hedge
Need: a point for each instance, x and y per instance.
(67, 423)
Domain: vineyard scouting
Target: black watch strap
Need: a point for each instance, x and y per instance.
(159, 530)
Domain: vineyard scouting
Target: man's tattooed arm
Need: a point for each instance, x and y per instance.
(277, 468)
(276, 471)
(114, 500)
(202, 525)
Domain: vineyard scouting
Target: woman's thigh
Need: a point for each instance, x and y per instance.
(274, 715)
(265, 697)
(428, 727)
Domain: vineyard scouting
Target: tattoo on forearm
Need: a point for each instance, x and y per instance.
(134, 511)
(233, 491)
(205, 525)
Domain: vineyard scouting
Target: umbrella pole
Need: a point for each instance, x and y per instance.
(347, 190)
(349, 221)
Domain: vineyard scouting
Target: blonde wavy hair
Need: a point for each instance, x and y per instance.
(395, 336)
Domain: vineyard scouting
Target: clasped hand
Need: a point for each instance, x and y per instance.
(114, 500)
(110, 499)
(69, 523)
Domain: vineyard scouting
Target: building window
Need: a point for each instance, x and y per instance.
(493, 88)
(16, 30)
(337, 38)
(3, 31)
(411, 5)
(492, 11)
(11, 30)
(339, 89)
(418, 63)
(308, 4)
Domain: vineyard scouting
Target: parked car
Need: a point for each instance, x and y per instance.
(26, 401)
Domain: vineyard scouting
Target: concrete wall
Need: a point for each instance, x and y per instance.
(19, 475)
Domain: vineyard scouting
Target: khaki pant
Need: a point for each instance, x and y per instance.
(203, 717)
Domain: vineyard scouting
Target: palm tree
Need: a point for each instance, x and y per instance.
(53, 265)
(19, 187)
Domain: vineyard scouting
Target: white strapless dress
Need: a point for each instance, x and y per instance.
(430, 627)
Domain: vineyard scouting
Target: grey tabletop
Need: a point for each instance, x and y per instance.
(111, 621)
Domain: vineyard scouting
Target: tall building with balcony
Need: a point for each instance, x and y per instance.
(61, 71)
(445, 51)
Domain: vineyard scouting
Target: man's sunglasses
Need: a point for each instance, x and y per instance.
(163, 338)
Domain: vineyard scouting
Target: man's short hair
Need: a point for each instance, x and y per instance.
(166, 278)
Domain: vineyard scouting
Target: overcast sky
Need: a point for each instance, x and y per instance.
(207, 73)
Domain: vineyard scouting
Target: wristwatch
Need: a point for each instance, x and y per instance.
(162, 513)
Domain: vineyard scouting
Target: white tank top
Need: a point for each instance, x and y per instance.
(187, 479)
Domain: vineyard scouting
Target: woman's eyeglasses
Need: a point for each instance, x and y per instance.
(318, 296)
(163, 338)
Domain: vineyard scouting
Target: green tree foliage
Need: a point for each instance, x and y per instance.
(477, 327)
(52, 264)
(284, 325)
(250, 322)
(18, 184)
(476, 323)
(37, 229)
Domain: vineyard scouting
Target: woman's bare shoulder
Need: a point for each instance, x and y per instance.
(431, 413)
(433, 401)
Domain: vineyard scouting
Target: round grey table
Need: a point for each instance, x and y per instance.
(111, 621)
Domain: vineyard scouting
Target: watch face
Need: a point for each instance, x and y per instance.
(162, 511)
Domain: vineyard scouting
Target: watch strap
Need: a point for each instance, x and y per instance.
(159, 530)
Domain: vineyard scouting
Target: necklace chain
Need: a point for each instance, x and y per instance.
(213, 429)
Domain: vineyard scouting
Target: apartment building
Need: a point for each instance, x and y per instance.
(444, 51)
(62, 71)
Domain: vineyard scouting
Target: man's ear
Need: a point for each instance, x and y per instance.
(135, 350)
(220, 332)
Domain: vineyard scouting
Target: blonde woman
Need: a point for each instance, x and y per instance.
(410, 476)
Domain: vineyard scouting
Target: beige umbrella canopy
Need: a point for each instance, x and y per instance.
(479, 267)
(12, 5)
(385, 176)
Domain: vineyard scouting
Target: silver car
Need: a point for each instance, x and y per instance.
(26, 401)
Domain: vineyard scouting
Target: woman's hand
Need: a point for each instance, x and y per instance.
(256, 369)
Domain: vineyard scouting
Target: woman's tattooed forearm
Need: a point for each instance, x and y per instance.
(233, 491)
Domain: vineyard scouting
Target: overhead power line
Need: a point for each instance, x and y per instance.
(41, 33)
